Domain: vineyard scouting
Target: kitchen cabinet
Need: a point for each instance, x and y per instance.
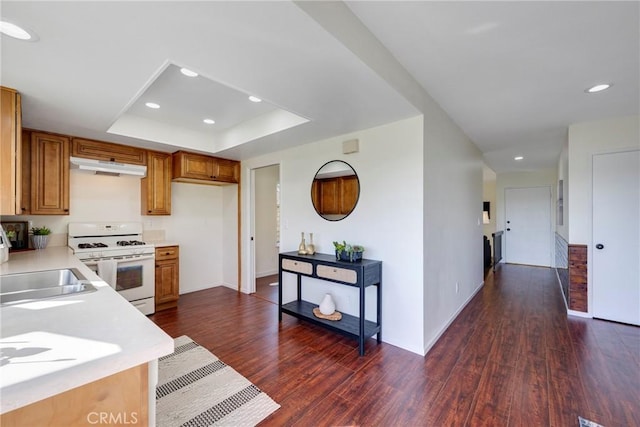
(201, 169)
(10, 152)
(335, 196)
(360, 275)
(99, 150)
(167, 277)
(156, 186)
(49, 174)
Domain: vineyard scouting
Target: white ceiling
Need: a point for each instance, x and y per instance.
(511, 74)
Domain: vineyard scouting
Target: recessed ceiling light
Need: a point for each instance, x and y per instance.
(12, 30)
(209, 121)
(187, 72)
(518, 158)
(152, 105)
(254, 99)
(599, 88)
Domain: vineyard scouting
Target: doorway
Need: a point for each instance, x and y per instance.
(266, 231)
(528, 226)
(616, 236)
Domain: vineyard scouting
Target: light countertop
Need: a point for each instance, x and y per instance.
(53, 345)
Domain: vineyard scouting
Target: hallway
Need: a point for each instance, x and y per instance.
(511, 358)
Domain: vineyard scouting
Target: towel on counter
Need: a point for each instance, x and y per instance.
(108, 270)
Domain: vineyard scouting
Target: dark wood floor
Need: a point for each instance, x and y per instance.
(264, 289)
(512, 358)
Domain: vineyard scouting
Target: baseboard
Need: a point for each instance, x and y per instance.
(454, 317)
(579, 314)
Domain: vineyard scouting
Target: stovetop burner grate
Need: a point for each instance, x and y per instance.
(130, 243)
(92, 245)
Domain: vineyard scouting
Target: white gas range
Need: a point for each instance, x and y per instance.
(116, 252)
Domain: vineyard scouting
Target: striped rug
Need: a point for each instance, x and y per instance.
(195, 388)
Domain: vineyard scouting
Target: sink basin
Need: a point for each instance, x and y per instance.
(37, 285)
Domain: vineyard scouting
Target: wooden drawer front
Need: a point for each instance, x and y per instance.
(297, 266)
(99, 150)
(167, 252)
(334, 273)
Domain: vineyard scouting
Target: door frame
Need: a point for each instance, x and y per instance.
(251, 247)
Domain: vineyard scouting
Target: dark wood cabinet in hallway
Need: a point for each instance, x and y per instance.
(512, 358)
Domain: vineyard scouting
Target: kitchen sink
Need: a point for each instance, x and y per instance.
(36, 285)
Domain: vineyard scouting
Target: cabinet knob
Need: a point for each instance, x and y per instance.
(149, 211)
(168, 253)
(66, 210)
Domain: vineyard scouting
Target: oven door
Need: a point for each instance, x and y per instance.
(134, 277)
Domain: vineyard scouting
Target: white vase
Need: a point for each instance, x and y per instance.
(39, 241)
(327, 306)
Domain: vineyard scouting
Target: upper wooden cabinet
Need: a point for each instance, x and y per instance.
(99, 150)
(49, 174)
(201, 169)
(156, 186)
(10, 152)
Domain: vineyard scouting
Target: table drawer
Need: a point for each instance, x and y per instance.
(297, 266)
(334, 273)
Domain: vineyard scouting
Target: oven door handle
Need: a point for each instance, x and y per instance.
(119, 260)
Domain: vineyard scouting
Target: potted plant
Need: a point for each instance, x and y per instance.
(347, 252)
(40, 237)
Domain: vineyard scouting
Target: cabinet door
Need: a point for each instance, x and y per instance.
(10, 153)
(330, 196)
(195, 166)
(99, 150)
(167, 289)
(156, 186)
(225, 170)
(349, 193)
(49, 174)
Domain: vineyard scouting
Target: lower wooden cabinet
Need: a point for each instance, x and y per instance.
(167, 277)
(122, 398)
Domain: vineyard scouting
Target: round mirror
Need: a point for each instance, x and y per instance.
(335, 190)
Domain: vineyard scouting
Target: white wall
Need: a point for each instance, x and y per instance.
(585, 140)
(196, 224)
(199, 215)
(229, 242)
(387, 221)
(266, 181)
(452, 218)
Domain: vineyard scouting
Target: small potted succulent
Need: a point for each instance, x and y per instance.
(347, 252)
(40, 237)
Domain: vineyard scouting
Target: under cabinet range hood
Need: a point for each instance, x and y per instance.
(103, 167)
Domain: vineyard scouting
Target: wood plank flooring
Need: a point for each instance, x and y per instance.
(512, 358)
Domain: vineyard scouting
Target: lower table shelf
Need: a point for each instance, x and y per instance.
(348, 325)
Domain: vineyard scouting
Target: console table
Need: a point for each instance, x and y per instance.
(360, 274)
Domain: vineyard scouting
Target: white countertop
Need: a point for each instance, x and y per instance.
(53, 345)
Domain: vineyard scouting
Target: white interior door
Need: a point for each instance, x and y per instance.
(528, 226)
(616, 236)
